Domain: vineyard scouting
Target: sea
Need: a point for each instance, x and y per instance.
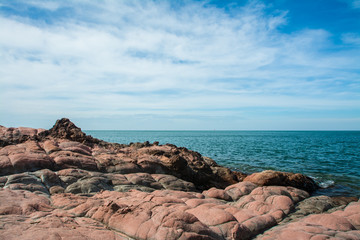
(331, 158)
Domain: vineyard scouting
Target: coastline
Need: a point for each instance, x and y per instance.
(330, 157)
(147, 190)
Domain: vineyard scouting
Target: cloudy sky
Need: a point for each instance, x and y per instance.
(196, 65)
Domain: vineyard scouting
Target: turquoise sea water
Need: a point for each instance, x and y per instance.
(332, 158)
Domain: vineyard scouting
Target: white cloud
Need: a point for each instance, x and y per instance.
(355, 3)
(132, 57)
(351, 38)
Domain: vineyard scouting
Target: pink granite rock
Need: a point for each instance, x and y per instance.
(62, 184)
(270, 177)
(26, 156)
(240, 189)
(25, 215)
(169, 214)
(342, 224)
(217, 193)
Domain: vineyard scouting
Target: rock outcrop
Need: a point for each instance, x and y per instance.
(66, 146)
(270, 177)
(63, 184)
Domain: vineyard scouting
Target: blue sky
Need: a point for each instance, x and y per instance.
(181, 65)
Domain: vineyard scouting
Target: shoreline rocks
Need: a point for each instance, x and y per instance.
(62, 183)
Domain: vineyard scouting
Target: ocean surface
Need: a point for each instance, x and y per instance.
(332, 158)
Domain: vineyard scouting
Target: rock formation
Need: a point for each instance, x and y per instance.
(63, 184)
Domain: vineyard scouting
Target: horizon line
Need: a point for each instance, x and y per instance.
(216, 130)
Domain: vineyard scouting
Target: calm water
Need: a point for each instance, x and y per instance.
(331, 158)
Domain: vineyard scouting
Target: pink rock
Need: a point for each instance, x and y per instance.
(22, 202)
(27, 131)
(50, 146)
(293, 234)
(337, 225)
(270, 177)
(353, 235)
(217, 193)
(330, 221)
(75, 147)
(256, 224)
(71, 161)
(30, 161)
(210, 215)
(68, 159)
(240, 189)
(6, 166)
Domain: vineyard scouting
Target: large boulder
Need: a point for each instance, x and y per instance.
(270, 177)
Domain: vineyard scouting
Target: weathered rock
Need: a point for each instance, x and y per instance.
(25, 215)
(21, 202)
(66, 146)
(28, 156)
(10, 136)
(270, 177)
(63, 184)
(167, 214)
(236, 191)
(342, 224)
(48, 178)
(317, 205)
(25, 181)
(65, 129)
(89, 185)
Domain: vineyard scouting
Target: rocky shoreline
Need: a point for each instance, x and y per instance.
(63, 184)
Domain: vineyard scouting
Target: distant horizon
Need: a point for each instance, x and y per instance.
(223, 130)
(50, 125)
(237, 64)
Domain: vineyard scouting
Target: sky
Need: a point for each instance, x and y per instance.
(181, 65)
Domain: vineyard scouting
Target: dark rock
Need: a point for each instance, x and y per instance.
(11, 136)
(89, 185)
(65, 129)
(25, 181)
